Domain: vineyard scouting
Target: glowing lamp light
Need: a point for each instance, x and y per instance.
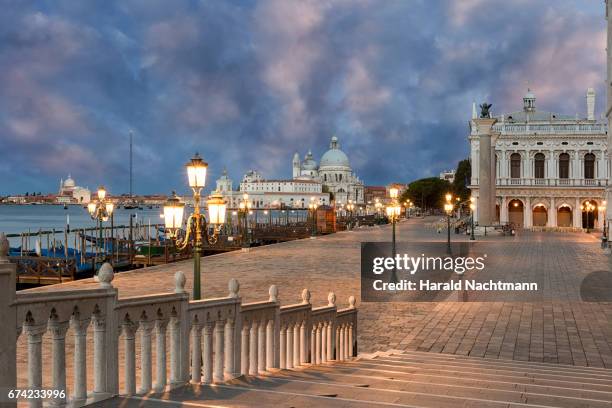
(196, 172)
(393, 192)
(91, 207)
(173, 213)
(109, 208)
(101, 193)
(449, 197)
(448, 208)
(516, 204)
(472, 206)
(216, 209)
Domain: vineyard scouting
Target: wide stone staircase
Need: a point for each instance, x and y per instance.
(400, 379)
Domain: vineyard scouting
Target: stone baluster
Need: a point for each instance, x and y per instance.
(79, 328)
(207, 353)
(219, 351)
(270, 345)
(244, 350)
(146, 381)
(350, 340)
(175, 350)
(35, 334)
(261, 346)
(318, 344)
(253, 349)
(337, 343)
(58, 349)
(313, 344)
(304, 339)
(330, 341)
(289, 346)
(303, 344)
(99, 362)
(296, 345)
(129, 331)
(160, 352)
(342, 343)
(324, 356)
(230, 370)
(196, 353)
(283, 347)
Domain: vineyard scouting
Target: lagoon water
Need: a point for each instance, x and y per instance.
(15, 219)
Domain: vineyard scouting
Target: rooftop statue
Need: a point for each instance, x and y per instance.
(484, 110)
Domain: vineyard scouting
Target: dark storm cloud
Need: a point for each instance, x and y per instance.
(249, 83)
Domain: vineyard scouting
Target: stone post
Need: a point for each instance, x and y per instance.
(486, 174)
(80, 360)
(207, 352)
(219, 351)
(160, 353)
(8, 340)
(58, 373)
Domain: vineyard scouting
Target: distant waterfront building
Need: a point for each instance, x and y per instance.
(70, 193)
(548, 166)
(334, 172)
(271, 193)
(448, 175)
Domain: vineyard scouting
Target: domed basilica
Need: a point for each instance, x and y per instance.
(334, 172)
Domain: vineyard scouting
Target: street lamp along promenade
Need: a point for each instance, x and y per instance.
(472, 210)
(448, 208)
(587, 207)
(101, 210)
(196, 225)
(394, 210)
(244, 209)
(312, 206)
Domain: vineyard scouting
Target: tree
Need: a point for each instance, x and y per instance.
(427, 193)
(462, 179)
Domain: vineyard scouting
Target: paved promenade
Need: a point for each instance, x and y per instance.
(560, 330)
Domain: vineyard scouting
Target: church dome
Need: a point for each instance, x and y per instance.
(69, 182)
(309, 163)
(334, 157)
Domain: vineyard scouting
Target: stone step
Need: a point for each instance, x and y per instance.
(352, 375)
(452, 375)
(482, 372)
(432, 396)
(498, 362)
(234, 396)
(456, 387)
(498, 367)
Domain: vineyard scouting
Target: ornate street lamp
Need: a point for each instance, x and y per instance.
(312, 206)
(448, 208)
(244, 209)
(100, 210)
(472, 209)
(587, 207)
(349, 209)
(393, 212)
(605, 225)
(197, 225)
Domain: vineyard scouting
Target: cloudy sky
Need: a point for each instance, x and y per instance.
(247, 83)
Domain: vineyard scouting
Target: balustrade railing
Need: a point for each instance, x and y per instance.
(228, 337)
(552, 182)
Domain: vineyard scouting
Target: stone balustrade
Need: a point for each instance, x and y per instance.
(228, 338)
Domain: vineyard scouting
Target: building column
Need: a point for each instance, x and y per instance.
(503, 211)
(577, 214)
(486, 174)
(552, 213)
(528, 213)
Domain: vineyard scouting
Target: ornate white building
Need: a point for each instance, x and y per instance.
(334, 172)
(272, 193)
(548, 167)
(69, 192)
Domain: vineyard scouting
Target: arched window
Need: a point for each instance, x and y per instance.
(589, 166)
(340, 177)
(539, 165)
(564, 160)
(515, 165)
